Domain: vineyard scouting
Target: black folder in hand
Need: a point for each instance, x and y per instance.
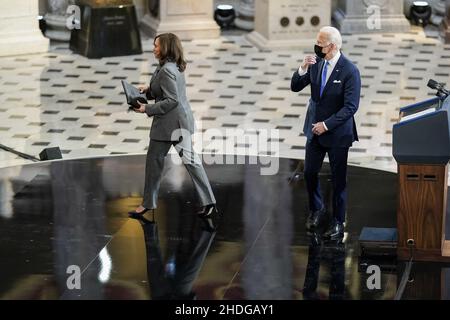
(133, 95)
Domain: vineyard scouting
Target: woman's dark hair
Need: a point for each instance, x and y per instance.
(171, 50)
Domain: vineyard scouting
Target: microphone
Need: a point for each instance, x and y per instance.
(442, 92)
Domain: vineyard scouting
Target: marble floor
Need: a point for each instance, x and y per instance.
(64, 99)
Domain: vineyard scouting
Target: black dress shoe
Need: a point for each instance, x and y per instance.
(335, 232)
(315, 218)
(207, 211)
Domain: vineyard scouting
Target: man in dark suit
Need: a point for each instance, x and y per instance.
(329, 124)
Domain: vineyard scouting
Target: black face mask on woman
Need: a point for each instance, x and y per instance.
(318, 51)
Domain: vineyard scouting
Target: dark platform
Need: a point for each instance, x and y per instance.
(74, 212)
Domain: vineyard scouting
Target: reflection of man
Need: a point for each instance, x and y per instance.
(174, 280)
(329, 124)
(335, 257)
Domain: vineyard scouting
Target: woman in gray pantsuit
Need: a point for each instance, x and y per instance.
(173, 124)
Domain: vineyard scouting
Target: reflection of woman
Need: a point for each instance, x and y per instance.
(174, 280)
(173, 124)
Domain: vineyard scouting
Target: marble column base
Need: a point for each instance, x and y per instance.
(24, 42)
(245, 23)
(19, 29)
(56, 27)
(358, 24)
(436, 20)
(245, 18)
(184, 29)
(263, 43)
(25, 45)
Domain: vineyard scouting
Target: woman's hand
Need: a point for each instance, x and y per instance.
(141, 108)
(143, 89)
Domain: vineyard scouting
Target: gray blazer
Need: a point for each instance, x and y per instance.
(171, 110)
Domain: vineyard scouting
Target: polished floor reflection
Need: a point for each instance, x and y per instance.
(67, 218)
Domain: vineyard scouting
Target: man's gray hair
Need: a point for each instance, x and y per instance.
(334, 36)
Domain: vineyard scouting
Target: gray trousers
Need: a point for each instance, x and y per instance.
(154, 167)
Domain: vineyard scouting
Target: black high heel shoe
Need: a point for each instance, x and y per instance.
(134, 212)
(207, 211)
(208, 224)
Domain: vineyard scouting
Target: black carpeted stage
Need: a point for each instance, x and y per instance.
(58, 216)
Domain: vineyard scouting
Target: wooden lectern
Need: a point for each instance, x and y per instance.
(421, 146)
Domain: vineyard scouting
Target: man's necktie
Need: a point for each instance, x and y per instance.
(324, 77)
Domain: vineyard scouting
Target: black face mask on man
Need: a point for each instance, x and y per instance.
(318, 51)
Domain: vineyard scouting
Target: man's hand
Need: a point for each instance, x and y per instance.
(308, 61)
(141, 108)
(318, 128)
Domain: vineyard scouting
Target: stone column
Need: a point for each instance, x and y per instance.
(445, 26)
(289, 23)
(245, 15)
(371, 16)
(19, 28)
(188, 19)
(56, 18)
